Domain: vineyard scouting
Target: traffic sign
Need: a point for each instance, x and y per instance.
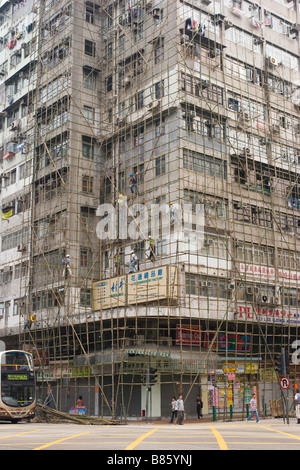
(284, 383)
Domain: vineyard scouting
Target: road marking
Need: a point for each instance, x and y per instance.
(141, 438)
(220, 440)
(20, 434)
(284, 433)
(60, 440)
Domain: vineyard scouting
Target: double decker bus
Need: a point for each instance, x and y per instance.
(17, 386)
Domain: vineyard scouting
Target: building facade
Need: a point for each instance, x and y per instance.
(199, 102)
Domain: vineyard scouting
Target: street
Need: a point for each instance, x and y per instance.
(269, 434)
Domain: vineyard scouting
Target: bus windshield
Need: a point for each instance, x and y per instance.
(16, 361)
(17, 395)
(17, 379)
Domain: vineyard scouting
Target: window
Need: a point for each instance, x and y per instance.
(204, 164)
(85, 298)
(159, 90)
(160, 165)
(89, 114)
(90, 48)
(86, 257)
(121, 43)
(88, 147)
(107, 185)
(159, 50)
(121, 183)
(213, 287)
(87, 184)
(140, 170)
(87, 215)
(190, 284)
(89, 15)
(109, 83)
(89, 79)
(160, 127)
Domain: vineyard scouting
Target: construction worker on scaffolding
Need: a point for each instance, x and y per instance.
(118, 261)
(67, 263)
(133, 262)
(133, 182)
(151, 249)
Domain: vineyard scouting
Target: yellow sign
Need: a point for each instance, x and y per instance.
(153, 284)
(142, 286)
(109, 293)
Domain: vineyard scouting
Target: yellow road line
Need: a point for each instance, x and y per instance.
(20, 434)
(220, 440)
(141, 438)
(60, 440)
(284, 433)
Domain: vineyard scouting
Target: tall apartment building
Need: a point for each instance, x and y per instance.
(200, 100)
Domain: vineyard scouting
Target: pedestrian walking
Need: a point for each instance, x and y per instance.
(173, 410)
(253, 408)
(180, 410)
(199, 404)
(297, 405)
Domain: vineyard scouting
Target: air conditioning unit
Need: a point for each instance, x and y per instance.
(153, 104)
(208, 241)
(264, 299)
(14, 126)
(204, 83)
(228, 24)
(273, 61)
(21, 248)
(237, 11)
(127, 81)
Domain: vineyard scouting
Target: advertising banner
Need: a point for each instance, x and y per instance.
(187, 334)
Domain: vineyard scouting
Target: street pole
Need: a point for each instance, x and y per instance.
(285, 392)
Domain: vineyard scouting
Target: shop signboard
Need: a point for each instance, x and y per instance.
(148, 285)
(268, 314)
(141, 286)
(152, 284)
(188, 334)
(227, 342)
(257, 272)
(109, 293)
